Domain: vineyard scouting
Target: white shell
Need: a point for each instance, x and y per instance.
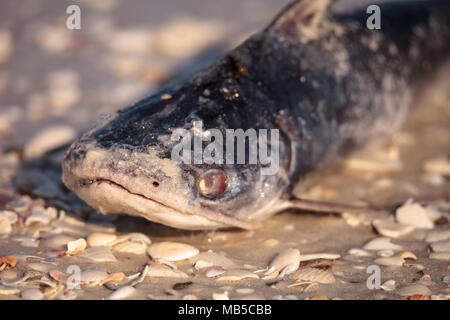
(441, 246)
(220, 296)
(413, 214)
(99, 254)
(58, 241)
(391, 229)
(92, 276)
(381, 243)
(172, 251)
(313, 275)
(122, 293)
(359, 252)
(237, 275)
(445, 256)
(131, 247)
(388, 285)
(4, 290)
(76, 247)
(214, 271)
(439, 165)
(438, 235)
(314, 256)
(5, 226)
(286, 262)
(209, 259)
(32, 294)
(11, 216)
(100, 239)
(163, 271)
(414, 289)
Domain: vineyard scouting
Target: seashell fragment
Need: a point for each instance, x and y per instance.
(438, 235)
(32, 294)
(172, 251)
(209, 259)
(122, 293)
(438, 165)
(5, 226)
(163, 271)
(286, 262)
(6, 291)
(315, 256)
(76, 247)
(58, 241)
(441, 246)
(388, 285)
(381, 243)
(100, 239)
(92, 277)
(313, 275)
(214, 271)
(444, 256)
(11, 216)
(391, 229)
(414, 289)
(220, 296)
(99, 254)
(237, 275)
(390, 261)
(131, 247)
(245, 290)
(413, 214)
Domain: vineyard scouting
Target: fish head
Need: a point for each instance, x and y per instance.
(134, 164)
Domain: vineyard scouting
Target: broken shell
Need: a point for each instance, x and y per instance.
(313, 275)
(439, 165)
(163, 271)
(220, 296)
(441, 246)
(388, 285)
(99, 254)
(11, 216)
(237, 275)
(92, 277)
(391, 229)
(41, 266)
(359, 252)
(315, 256)
(172, 251)
(139, 237)
(209, 259)
(76, 247)
(100, 239)
(444, 256)
(5, 226)
(381, 243)
(58, 241)
(438, 235)
(245, 290)
(385, 253)
(32, 294)
(8, 290)
(58, 276)
(413, 214)
(131, 247)
(414, 289)
(214, 271)
(115, 277)
(390, 261)
(122, 293)
(286, 262)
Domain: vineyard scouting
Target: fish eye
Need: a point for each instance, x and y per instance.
(213, 183)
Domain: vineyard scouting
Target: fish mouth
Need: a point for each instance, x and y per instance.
(109, 197)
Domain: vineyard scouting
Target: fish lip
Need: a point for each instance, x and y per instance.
(88, 182)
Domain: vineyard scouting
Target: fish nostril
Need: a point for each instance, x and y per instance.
(155, 184)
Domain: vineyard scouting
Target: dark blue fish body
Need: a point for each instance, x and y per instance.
(328, 84)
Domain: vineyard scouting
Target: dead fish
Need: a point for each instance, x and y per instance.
(327, 83)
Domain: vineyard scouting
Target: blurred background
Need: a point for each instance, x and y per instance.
(56, 82)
